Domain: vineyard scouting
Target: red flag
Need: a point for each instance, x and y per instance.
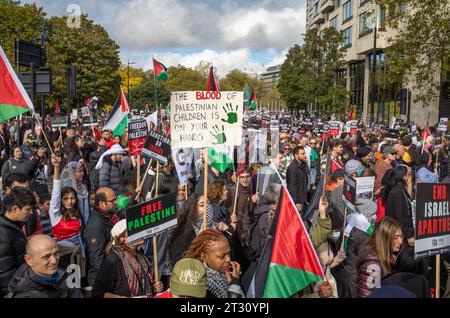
(58, 108)
(124, 102)
(213, 83)
(352, 114)
(160, 71)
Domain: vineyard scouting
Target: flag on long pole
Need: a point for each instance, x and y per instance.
(118, 119)
(212, 84)
(14, 100)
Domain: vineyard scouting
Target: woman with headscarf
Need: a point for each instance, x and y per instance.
(125, 272)
(73, 176)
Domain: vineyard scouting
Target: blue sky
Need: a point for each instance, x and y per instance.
(232, 34)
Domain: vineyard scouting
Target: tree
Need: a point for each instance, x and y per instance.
(309, 74)
(145, 93)
(137, 76)
(90, 49)
(185, 79)
(236, 80)
(421, 47)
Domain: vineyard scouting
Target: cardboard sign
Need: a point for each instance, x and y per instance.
(90, 121)
(432, 219)
(157, 146)
(334, 128)
(206, 119)
(255, 122)
(183, 164)
(285, 124)
(151, 218)
(58, 120)
(137, 135)
(443, 124)
(357, 190)
(352, 127)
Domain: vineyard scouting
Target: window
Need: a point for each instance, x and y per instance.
(357, 85)
(316, 9)
(363, 2)
(382, 16)
(348, 36)
(365, 26)
(347, 11)
(334, 23)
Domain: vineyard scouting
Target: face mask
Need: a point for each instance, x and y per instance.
(334, 236)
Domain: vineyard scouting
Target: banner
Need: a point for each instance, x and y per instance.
(183, 164)
(258, 146)
(137, 135)
(443, 124)
(285, 124)
(432, 219)
(151, 218)
(157, 146)
(206, 119)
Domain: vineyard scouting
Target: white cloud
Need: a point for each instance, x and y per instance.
(224, 61)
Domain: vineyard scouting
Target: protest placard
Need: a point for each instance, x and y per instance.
(443, 124)
(137, 135)
(432, 219)
(357, 190)
(183, 164)
(206, 119)
(349, 194)
(334, 128)
(157, 146)
(58, 120)
(266, 122)
(285, 124)
(151, 218)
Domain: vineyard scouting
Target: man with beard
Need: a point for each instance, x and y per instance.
(297, 178)
(98, 230)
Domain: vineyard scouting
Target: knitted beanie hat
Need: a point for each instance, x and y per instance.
(353, 166)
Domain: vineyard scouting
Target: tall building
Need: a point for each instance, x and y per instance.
(351, 17)
(270, 80)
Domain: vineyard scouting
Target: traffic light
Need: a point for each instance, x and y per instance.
(403, 101)
(72, 71)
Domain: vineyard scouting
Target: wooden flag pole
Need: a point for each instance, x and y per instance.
(186, 187)
(45, 136)
(144, 178)
(138, 171)
(205, 186)
(155, 247)
(236, 196)
(438, 276)
(343, 228)
(325, 175)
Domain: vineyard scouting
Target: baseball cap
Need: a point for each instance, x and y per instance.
(188, 278)
(389, 150)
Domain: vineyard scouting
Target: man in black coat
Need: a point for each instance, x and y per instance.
(98, 230)
(297, 177)
(18, 204)
(40, 276)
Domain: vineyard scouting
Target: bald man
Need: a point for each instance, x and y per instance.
(40, 276)
(97, 233)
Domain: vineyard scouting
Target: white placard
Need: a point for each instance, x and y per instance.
(443, 124)
(206, 119)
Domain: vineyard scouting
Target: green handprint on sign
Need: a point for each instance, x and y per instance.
(219, 135)
(231, 113)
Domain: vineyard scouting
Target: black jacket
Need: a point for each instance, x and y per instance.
(398, 207)
(180, 240)
(97, 235)
(12, 251)
(27, 284)
(297, 181)
(259, 231)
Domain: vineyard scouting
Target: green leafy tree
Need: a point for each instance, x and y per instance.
(185, 79)
(236, 80)
(90, 49)
(145, 93)
(420, 50)
(309, 74)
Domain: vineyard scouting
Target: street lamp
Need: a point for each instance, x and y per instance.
(128, 79)
(373, 9)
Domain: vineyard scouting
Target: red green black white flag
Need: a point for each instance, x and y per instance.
(14, 100)
(118, 118)
(213, 83)
(160, 71)
(288, 262)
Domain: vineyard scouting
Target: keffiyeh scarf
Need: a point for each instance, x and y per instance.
(216, 283)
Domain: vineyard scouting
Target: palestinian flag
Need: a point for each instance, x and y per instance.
(118, 119)
(160, 71)
(288, 261)
(14, 100)
(250, 101)
(221, 158)
(213, 83)
(426, 134)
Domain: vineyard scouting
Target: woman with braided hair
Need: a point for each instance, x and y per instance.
(223, 276)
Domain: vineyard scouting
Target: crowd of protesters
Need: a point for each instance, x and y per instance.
(65, 192)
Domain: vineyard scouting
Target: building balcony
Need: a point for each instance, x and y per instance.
(327, 6)
(318, 19)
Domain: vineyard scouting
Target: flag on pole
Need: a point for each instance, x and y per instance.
(213, 83)
(160, 71)
(250, 101)
(14, 100)
(58, 107)
(118, 119)
(288, 261)
(352, 114)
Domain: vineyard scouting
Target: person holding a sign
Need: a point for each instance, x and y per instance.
(378, 256)
(125, 272)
